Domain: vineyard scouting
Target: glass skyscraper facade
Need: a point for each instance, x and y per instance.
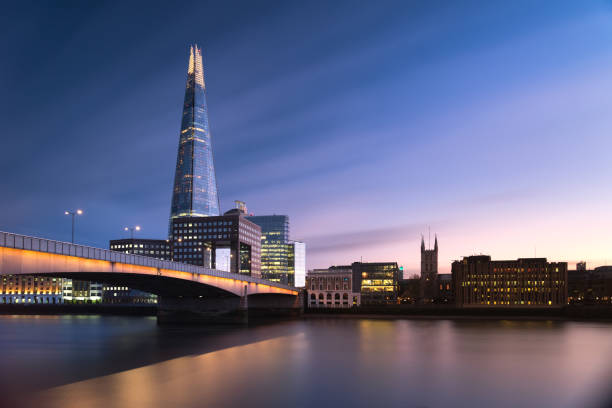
(275, 247)
(195, 184)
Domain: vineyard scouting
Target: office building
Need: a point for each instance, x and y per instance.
(377, 282)
(230, 239)
(297, 264)
(526, 282)
(195, 184)
(275, 247)
(154, 248)
(331, 288)
(80, 291)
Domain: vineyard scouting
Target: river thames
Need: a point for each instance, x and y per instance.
(104, 361)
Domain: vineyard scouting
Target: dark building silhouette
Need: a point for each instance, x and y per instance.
(429, 272)
(590, 287)
(445, 290)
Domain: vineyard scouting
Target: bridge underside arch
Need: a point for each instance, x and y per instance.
(158, 285)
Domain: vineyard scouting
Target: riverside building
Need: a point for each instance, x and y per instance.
(526, 282)
(378, 282)
(29, 289)
(590, 287)
(331, 288)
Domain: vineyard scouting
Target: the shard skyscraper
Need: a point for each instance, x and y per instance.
(195, 184)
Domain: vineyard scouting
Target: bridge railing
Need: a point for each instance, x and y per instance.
(16, 241)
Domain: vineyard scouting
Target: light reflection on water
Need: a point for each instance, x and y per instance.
(111, 361)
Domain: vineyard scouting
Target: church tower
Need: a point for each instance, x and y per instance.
(429, 258)
(429, 272)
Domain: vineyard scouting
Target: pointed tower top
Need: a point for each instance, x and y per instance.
(436, 242)
(197, 67)
(191, 61)
(422, 242)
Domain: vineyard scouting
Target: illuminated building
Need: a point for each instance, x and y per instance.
(195, 184)
(527, 282)
(229, 239)
(331, 288)
(297, 264)
(124, 295)
(30, 289)
(154, 248)
(377, 282)
(275, 247)
(429, 272)
(80, 291)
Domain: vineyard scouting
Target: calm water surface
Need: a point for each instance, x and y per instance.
(94, 361)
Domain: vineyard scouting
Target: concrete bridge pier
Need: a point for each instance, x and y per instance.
(226, 310)
(200, 310)
(266, 306)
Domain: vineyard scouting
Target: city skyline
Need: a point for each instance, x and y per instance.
(421, 121)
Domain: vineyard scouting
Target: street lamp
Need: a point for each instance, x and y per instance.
(73, 213)
(132, 229)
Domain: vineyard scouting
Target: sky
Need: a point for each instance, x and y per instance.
(487, 123)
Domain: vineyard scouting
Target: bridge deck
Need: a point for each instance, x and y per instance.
(124, 261)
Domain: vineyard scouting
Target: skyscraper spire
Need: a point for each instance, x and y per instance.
(195, 183)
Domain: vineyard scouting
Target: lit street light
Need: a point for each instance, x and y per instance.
(73, 213)
(132, 229)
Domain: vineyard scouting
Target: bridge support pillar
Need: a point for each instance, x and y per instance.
(200, 310)
(275, 306)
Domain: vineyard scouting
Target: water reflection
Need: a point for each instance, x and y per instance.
(325, 362)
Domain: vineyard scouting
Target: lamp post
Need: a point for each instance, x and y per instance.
(73, 213)
(132, 229)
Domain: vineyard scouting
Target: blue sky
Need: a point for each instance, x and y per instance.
(488, 121)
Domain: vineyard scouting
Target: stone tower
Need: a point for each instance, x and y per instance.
(429, 258)
(429, 272)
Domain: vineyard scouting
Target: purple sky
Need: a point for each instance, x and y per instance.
(488, 121)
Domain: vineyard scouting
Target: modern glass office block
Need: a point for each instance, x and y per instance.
(274, 247)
